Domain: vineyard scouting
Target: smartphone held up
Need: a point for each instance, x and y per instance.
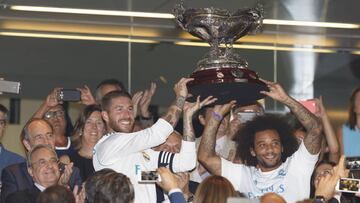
(71, 95)
(352, 163)
(348, 185)
(309, 105)
(148, 177)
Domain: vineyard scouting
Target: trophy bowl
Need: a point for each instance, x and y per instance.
(218, 25)
(222, 73)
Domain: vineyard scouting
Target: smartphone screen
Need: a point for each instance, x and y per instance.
(61, 167)
(149, 177)
(348, 185)
(246, 116)
(309, 105)
(352, 163)
(69, 95)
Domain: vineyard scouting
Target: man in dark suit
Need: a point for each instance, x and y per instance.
(16, 177)
(7, 157)
(43, 167)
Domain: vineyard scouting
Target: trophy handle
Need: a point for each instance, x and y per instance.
(179, 11)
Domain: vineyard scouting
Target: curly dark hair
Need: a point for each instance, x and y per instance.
(246, 137)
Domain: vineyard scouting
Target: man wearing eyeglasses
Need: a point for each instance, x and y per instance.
(43, 167)
(7, 158)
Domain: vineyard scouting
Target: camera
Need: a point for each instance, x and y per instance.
(9, 86)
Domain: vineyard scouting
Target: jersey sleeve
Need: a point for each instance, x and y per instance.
(233, 172)
(185, 160)
(122, 144)
(302, 162)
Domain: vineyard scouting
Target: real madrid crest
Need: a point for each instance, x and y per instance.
(146, 156)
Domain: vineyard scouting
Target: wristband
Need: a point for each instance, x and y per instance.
(217, 116)
(319, 199)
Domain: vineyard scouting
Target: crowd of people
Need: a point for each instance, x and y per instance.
(240, 151)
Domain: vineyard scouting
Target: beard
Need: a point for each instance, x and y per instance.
(269, 164)
(118, 128)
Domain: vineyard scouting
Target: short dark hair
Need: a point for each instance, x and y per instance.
(56, 194)
(106, 100)
(246, 137)
(111, 81)
(108, 186)
(3, 109)
(24, 135)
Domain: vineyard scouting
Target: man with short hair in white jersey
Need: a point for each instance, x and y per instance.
(129, 152)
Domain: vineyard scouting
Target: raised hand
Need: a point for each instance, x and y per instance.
(52, 99)
(235, 125)
(174, 112)
(320, 109)
(191, 108)
(180, 87)
(135, 100)
(168, 179)
(86, 97)
(275, 91)
(65, 176)
(219, 111)
(326, 185)
(146, 100)
(183, 180)
(79, 195)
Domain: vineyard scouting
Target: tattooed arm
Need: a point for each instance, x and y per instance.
(312, 124)
(206, 153)
(173, 114)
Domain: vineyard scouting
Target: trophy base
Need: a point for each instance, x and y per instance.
(243, 93)
(226, 84)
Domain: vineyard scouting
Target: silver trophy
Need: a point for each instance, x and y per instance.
(222, 73)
